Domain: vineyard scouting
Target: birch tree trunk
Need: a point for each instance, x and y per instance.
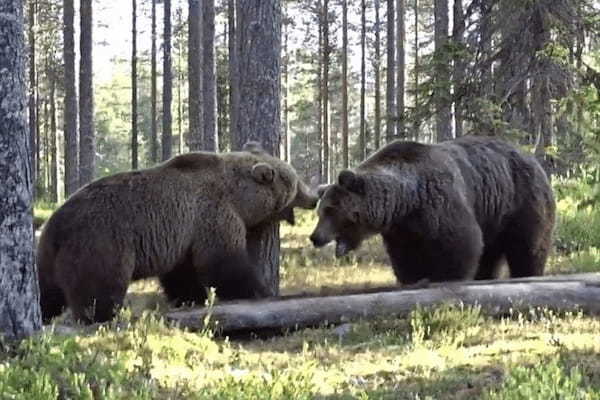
(259, 31)
(19, 292)
(195, 141)
(87, 140)
(209, 80)
(70, 100)
(167, 134)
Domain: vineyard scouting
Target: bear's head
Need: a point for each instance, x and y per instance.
(341, 211)
(269, 189)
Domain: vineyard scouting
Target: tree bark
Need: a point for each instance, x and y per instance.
(377, 72)
(363, 78)
(153, 87)
(325, 94)
(496, 298)
(195, 139)
(234, 94)
(443, 113)
(259, 32)
(167, 134)
(134, 115)
(209, 80)
(345, 84)
(401, 67)
(286, 141)
(87, 140)
(19, 291)
(32, 96)
(416, 69)
(458, 29)
(319, 91)
(53, 139)
(390, 94)
(70, 101)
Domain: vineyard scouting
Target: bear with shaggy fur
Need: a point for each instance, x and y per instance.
(184, 221)
(450, 211)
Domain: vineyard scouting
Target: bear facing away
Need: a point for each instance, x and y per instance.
(184, 221)
(450, 211)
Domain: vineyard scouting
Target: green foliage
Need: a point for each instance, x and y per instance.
(448, 324)
(549, 379)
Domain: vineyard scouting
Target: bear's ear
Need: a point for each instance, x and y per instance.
(253, 147)
(263, 173)
(322, 189)
(351, 182)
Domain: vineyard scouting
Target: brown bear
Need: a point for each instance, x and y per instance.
(184, 221)
(449, 211)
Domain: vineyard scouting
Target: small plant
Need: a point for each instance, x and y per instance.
(447, 324)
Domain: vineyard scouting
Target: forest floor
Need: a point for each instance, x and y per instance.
(447, 352)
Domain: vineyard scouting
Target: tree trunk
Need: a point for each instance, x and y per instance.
(416, 117)
(345, 84)
(443, 114)
(32, 96)
(319, 90)
(259, 31)
(285, 60)
(401, 67)
(363, 78)
(87, 141)
(167, 135)
(134, 115)
(458, 30)
(390, 94)
(209, 80)
(180, 79)
(70, 117)
(325, 94)
(195, 139)
(377, 72)
(496, 298)
(234, 94)
(19, 291)
(153, 116)
(53, 138)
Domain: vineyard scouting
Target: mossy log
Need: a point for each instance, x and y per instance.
(496, 297)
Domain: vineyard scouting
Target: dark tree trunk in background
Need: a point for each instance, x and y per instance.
(53, 138)
(70, 117)
(363, 77)
(134, 115)
(345, 84)
(325, 94)
(390, 94)
(209, 73)
(234, 94)
(377, 72)
(153, 116)
(259, 31)
(319, 90)
(33, 144)
(458, 30)
(286, 140)
(195, 139)
(443, 113)
(87, 140)
(19, 292)
(167, 135)
(401, 67)
(416, 118)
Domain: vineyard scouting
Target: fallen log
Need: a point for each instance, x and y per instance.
(562, 293)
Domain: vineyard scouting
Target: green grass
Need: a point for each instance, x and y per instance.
(448, 352)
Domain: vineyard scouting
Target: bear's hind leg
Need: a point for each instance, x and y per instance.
(490, 263)
(52, 300)
(235, 277)
(527, 244)
(96, 307)
(182, 285)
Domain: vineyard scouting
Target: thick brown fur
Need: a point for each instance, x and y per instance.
(450, 211)
(184, 221)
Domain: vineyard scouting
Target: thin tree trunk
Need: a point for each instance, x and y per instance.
(134, 115)
(167, 135)
(153, 116)
(19, 291)
(345, 84)
(209, 80)
(443, 114)
(458, 30)
(285, 60)
(234, 95)
(401, 67)
(377, 72)
(32, 96)
(53, 138)
(363, 78)
(70, 117)
(416, 121)
(87, 141)
(325, 93)
(320, 58)
(195, 141)
(390, 94)
(180, 79)
(259, 30)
